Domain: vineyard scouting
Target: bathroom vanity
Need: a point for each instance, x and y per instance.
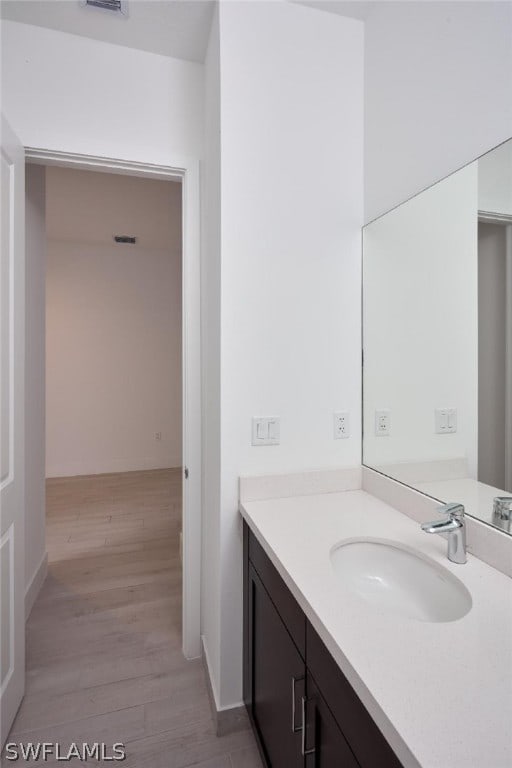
(319, 715)
(367, 643)
(333, 677)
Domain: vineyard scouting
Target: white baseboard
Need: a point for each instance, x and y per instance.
(35, 585)
(212, 688)
(106, 466)
(226, 719)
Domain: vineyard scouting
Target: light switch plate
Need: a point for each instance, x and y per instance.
(266, 430)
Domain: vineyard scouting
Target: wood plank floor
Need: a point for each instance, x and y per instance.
(104, 661)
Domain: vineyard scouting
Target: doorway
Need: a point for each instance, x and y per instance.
(113, 433)
(25, 311)
(186, 176)
(113, 391)
(492, 281)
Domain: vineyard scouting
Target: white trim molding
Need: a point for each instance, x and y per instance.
(226, 719)
(491, 217)
(35, 585)
(106, 164)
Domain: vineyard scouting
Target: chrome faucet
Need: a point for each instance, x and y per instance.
(502, 512)
(453, 524)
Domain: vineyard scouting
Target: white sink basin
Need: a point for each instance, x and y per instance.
(399, 580)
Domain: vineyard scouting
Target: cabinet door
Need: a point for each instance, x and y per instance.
(276, 679)
(366, 740)
(324, 743)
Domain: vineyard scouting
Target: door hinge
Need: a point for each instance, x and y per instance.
(186, 473)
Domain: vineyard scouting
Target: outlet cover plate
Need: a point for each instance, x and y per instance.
(341, 425)
(383, 422)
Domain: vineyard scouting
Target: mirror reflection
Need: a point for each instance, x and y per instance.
(437, 338)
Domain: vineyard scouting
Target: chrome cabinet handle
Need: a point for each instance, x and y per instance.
(295, 680)
(312, 750)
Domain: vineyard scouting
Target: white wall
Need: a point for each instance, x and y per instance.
(70, 93)
(291, 91)
(495, 180)
(210, 331)
(421, 324)
(113, 323)
(437, 93)
(35, 265)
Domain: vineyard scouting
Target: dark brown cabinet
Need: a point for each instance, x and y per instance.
(304, 712)
(278, 680)
(324, 739)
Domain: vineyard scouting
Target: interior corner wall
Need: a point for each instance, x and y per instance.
(291, 95)
(113, 324)
(210, 360)
(35, 262)
(437, 93)
(69, 93)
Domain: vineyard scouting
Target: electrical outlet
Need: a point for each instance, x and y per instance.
(383, 423)
(158, 435)
(446, 420)
(341, 425)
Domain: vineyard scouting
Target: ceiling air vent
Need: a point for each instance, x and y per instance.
(116, 6)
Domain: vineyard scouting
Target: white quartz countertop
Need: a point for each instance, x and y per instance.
(440, 692)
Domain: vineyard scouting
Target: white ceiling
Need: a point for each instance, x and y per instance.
(177, 28)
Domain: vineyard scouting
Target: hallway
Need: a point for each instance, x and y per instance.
(104, 660)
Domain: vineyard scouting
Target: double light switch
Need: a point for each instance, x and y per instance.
(266, 430)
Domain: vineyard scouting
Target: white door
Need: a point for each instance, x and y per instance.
(12, 442)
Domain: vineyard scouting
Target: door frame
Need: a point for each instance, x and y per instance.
(186, 171)
(505, 220)
(508, 353)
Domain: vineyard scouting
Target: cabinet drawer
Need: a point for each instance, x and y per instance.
(286, 605)
(364, 737)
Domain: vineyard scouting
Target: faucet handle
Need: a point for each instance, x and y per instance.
(453, 525)
(453, 510)
(502, 508)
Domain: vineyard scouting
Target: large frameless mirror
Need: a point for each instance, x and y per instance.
(437, 338)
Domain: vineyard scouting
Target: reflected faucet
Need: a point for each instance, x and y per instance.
(453, 524)
(502, 512)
